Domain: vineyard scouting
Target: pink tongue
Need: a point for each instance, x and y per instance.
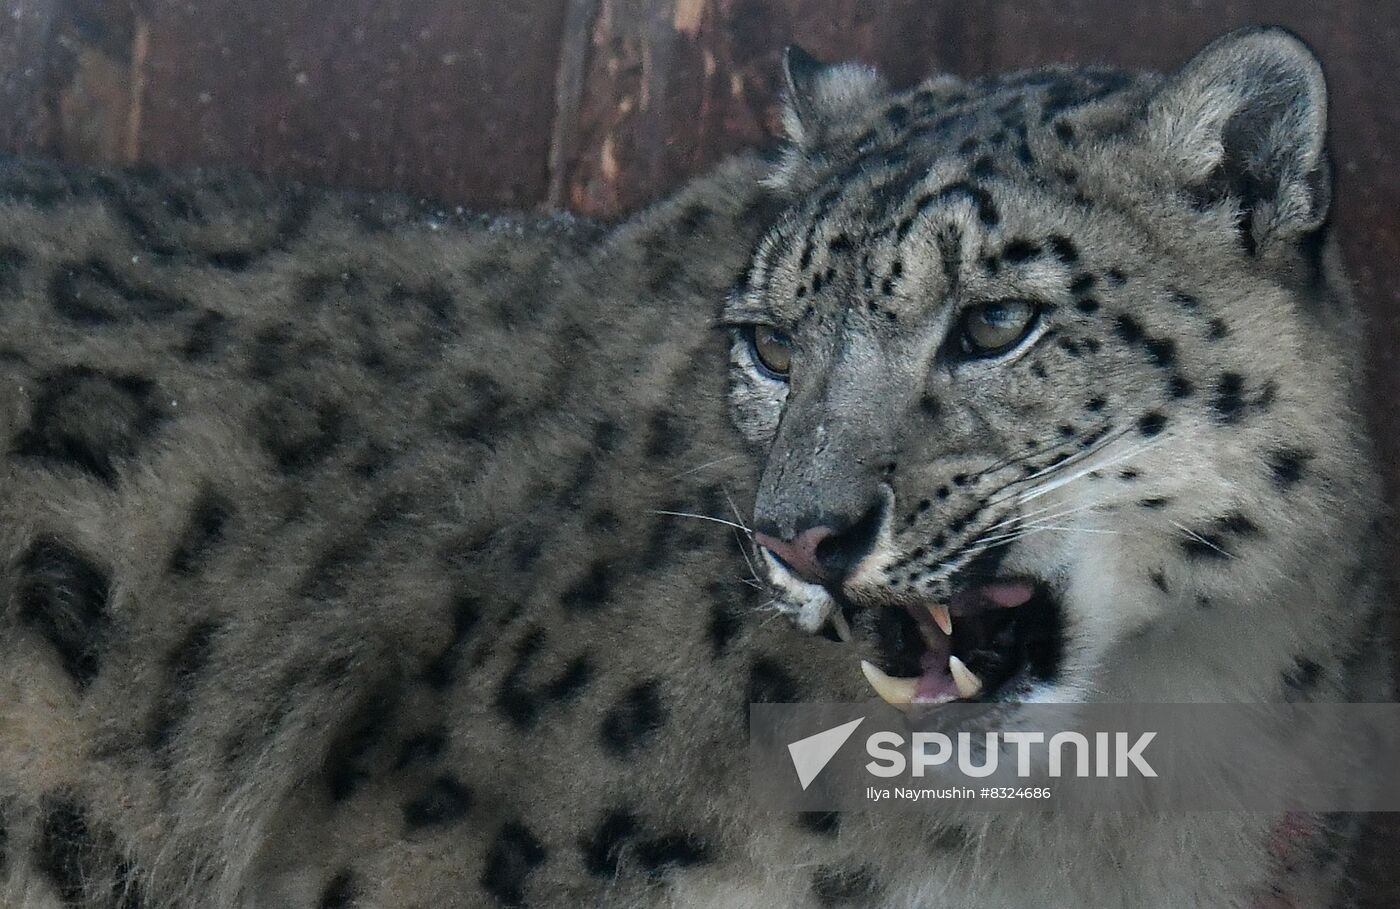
(1003, 594)
(1008, 594)
(935, 684)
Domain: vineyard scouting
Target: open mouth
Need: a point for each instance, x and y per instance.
(989, 642)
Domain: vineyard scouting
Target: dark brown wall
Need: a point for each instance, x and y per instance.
(603, 105)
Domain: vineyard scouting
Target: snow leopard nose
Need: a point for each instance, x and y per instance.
(800, 554)
(822, 554)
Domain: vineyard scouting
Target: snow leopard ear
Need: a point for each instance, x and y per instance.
(1245, 121)
(819, 95)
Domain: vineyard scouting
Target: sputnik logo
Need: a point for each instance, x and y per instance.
(811, 755)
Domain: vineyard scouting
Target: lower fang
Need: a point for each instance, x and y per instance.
(897, 692)
(969, 685)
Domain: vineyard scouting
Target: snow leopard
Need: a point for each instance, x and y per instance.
(360, 551)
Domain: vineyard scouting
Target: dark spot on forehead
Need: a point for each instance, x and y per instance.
(1018, 251)
(1237, 523)
(987, 211)
(1064, 249)
(1288, 466)
(1185, 300)
(1128, 328)
(1204, 546)
(1229, 397)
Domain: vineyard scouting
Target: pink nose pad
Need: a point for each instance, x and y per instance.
(799, 553)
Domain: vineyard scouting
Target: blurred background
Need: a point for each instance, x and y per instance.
(601, 106)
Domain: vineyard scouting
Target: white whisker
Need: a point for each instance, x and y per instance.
(1078, 456)
(704, 517)
(705, 466)
(1061, 482)
(1018, 517)
(1011, 538)
(1025, 520)
(743, 550)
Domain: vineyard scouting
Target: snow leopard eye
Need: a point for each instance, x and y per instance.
(992, 328)
(772, 350)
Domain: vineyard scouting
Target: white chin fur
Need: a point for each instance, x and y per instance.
(809, 605)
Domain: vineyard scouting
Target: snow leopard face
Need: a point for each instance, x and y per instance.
(1042, 364)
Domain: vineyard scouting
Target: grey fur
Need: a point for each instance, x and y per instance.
(337, 562)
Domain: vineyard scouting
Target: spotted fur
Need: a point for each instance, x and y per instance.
(345, 558)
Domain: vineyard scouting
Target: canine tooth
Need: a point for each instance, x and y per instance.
(942, 619)
(843, 628)
(897, 692)
(969, 685)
